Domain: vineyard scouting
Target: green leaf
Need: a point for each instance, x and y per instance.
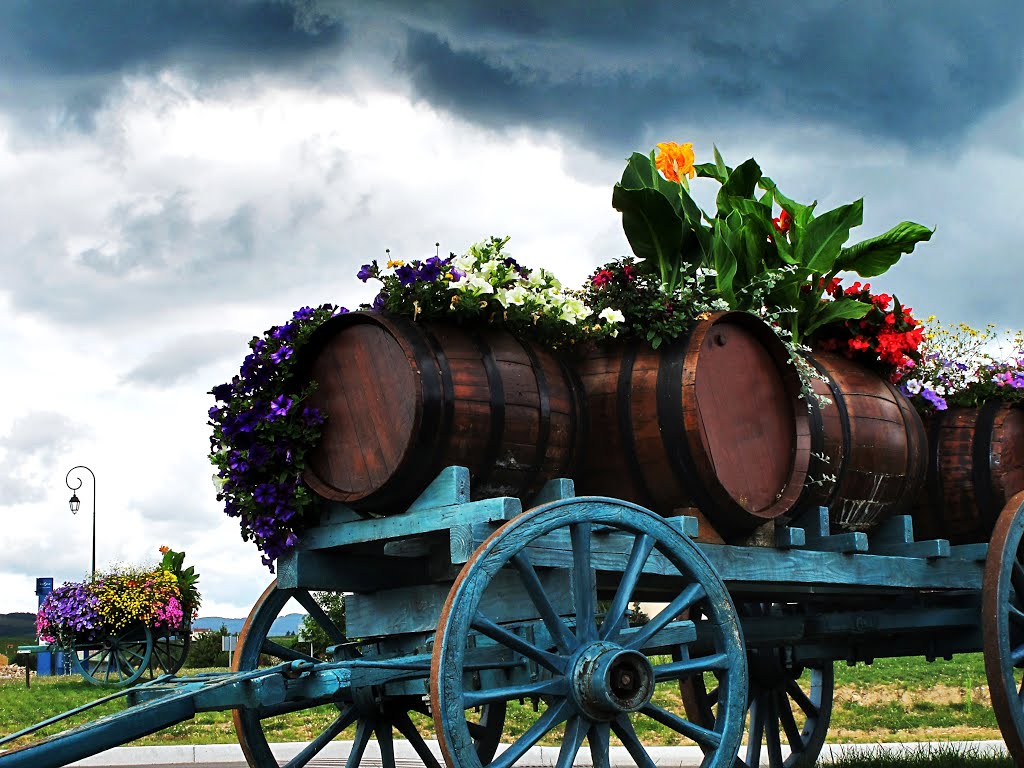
(741, 182)
(821, 242)
(875, 255)
(652, 226)
(725, 255)
(833, 311)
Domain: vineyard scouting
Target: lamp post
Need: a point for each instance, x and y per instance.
(75, 503)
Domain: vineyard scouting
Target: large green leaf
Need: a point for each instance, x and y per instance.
(822, 240)
(652, 226)
(875, 255)
(741, 182)
(832, 311)
(726, 249)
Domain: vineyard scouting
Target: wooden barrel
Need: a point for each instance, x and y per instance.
(711, 421)
(868, 454)
(975, 464)
(404, 400)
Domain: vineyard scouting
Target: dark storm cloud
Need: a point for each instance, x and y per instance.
(911, 71)
(62, 58)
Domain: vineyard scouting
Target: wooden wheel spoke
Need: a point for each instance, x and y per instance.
(575, 731)
(307, 601)
(278, 651)
(772, 733)
(627, 735)
(684, 600)
(558, 686)
(599, 737)
(364, 730)
(679, 669)
(406, 727)
(510, 640)
(531, 581)
(713, 696)
(755, 732)
(1016, 614)
(792, 730)
(796, 694)
(643, 545)
(554, 715)
(583, 581)
(341, 722)
(703, 736)
(386, 742)
(1017, 655)
(476, 730)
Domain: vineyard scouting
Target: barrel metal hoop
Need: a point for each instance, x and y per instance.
(981, 473)
(624, 411)
(669, 397)
(544, 421)
(844, 422)
(496, 389)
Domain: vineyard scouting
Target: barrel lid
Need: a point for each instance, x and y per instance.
(744, 396)
(368, 387)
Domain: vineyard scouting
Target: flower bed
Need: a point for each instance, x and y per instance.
(164, 597)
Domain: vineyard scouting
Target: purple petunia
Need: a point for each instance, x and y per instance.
(406, 275)
(282, 354)
(366, 272)
(279, 406)
(305, 313)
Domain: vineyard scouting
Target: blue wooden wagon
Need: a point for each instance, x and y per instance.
(457, 608)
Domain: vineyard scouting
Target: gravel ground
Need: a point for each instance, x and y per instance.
(9, 671)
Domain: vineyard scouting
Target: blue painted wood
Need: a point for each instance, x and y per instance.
(895, 536)
(424, 520)
(790, 538)
(449, 488)
(554, 490)
(974, 552)
(563, 530)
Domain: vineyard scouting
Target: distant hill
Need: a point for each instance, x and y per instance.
(282, 625)
(17, 624)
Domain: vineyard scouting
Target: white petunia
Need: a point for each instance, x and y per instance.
(611, 315)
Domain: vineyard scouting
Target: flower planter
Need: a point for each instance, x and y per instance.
(975, 464)
(404, 400)
(712, 421)
(869, 439)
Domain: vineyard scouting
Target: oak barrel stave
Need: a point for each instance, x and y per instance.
(975, 464)
(404, 400)
(711, 421)
(869, 439)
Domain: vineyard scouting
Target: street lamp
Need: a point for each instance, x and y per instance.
(75, 503)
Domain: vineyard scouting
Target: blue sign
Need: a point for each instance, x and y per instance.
(44, 586)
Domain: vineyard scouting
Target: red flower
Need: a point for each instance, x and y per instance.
(603, 277)
(882, 300)
(783, 222)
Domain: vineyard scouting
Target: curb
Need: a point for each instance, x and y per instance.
(540, 757)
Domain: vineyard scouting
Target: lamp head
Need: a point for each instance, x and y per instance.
(74, 503)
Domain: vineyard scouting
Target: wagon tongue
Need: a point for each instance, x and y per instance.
(153, 706)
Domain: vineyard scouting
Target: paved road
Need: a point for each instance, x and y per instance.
(230, 755)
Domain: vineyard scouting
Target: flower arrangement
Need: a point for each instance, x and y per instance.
(760, 251)
(262, 434)
(886, 338)
(162, 597)
(964, 366)
(486, 285)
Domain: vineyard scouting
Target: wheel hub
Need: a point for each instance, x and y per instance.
(608, 680)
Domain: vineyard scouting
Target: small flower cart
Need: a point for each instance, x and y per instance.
(124, 624)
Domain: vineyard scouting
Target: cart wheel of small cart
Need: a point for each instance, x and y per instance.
(119, 658)
(170, 649)
(1002, 624)
(373, 716)
(786, 700)
(590, 677)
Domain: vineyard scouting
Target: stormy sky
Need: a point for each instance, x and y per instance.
(176, 177)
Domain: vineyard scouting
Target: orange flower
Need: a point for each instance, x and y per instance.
(164, 550)
(675, 160)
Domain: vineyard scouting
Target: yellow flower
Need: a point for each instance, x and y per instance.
(395, 263)
(675, 160)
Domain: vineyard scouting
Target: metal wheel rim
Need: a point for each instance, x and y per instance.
(1002, 624)
(129, 655)
(460, 615)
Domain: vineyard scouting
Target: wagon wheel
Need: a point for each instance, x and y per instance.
(786, 700)
(1002, 624)
(590, 679)
(373, 715)
(119, 658)
(170, 649)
